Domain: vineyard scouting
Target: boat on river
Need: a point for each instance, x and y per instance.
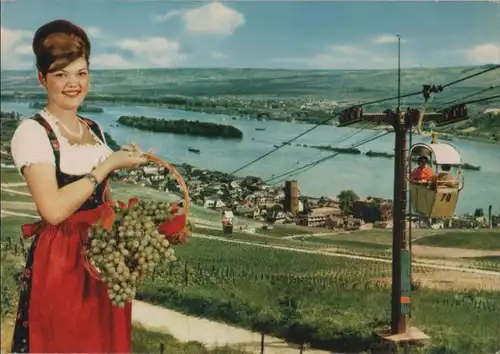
(193, 150)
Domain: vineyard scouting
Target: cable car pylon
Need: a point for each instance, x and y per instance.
(400, 331)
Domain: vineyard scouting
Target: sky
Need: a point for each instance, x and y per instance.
(262, 34)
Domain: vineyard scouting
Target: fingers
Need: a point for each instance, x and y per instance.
(130, 147)
(137, 148)
(134, 147)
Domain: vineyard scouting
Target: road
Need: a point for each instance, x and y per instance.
(14, 184)
(212, 334)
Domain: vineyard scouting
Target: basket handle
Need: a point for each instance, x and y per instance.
(177, 176)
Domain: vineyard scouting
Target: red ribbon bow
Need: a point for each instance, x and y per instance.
(175, 229)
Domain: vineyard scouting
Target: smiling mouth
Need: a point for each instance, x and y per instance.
(72, 94)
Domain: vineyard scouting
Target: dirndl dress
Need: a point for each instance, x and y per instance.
(62, 309)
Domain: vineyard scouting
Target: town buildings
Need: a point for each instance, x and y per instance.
(250, 197)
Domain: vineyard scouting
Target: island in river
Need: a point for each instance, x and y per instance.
(355, 151)
(182, 126)
(84, 108)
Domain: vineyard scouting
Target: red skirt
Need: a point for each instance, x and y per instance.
(62, 309)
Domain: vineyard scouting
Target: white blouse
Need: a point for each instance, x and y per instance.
(30, 145)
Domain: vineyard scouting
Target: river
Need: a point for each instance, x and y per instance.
(367, 176)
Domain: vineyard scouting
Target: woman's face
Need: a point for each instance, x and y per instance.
(68, 87)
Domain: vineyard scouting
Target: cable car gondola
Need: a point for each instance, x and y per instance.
(439, 197)
(227, 222)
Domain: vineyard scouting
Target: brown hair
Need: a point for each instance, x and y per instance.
(58, 43)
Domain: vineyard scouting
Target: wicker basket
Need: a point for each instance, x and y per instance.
(176, 231)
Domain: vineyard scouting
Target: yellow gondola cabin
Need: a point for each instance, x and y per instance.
(437, 198)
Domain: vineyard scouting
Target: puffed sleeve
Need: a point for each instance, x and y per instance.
(30, 145)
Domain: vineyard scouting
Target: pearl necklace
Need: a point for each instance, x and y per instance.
(58, 122)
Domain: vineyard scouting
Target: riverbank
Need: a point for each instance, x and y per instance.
(299, 110)
(444, 134)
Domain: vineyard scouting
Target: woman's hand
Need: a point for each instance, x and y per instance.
(132, 147)
(125, 159)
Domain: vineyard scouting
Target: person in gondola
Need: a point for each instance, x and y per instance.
(65, 161)
(445, 178)
(422, 174)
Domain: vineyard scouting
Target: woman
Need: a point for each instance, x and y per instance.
(65, 162)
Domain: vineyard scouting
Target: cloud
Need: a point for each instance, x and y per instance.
(143, 52)
(344, 57)
(211, 19)
(94, 32)
(16, 48)
(168, 15)
(487, 53)
(387, 39)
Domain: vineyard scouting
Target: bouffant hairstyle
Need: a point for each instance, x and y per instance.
(58, 43)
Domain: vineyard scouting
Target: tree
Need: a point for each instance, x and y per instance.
(295, 329)
(300, 333)
(346, 198)
(264, 322)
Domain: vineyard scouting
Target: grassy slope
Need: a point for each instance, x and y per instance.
(10, 175)
(475, 239)
(338, 297)
(235, 282)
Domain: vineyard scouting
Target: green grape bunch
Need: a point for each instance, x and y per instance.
(131, 250)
